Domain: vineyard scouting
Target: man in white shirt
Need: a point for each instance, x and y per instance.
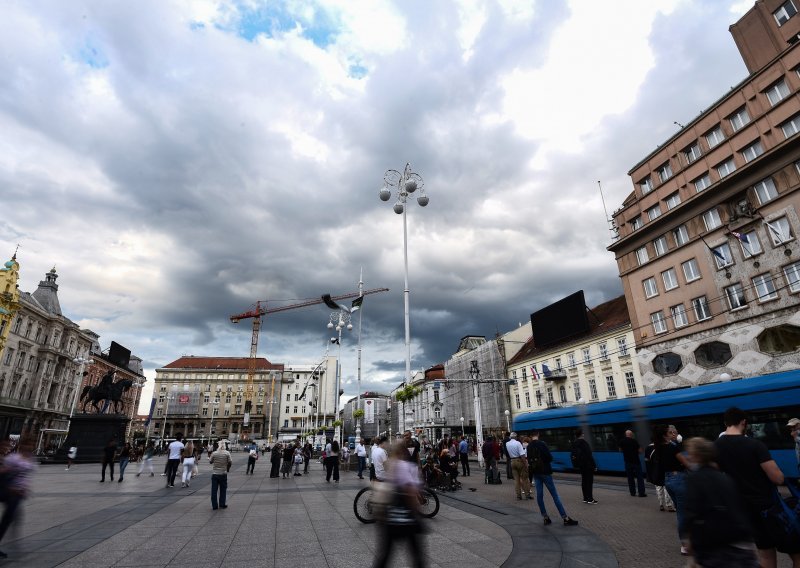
(361, 454)
(379, 457)
(174, 459)
(519, 466)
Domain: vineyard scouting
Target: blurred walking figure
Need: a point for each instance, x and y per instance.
(307, 451)
(400, 519)
(670, 458)
(109, 453)
(332, 462)
(124, 460)
(147, 460)
(15, 472)
(298, 459)
(655, 475)
(716, 524)
(361, 454)
(71, 455)
(188, 464)
(288, 459)
(251, 460)
(174, 459)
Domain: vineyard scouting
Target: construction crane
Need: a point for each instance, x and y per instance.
(256, 314)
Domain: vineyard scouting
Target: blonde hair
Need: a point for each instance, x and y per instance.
(701, 451)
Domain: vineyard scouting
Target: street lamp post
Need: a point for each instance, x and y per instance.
(139, 383)
(338, 320)
(405, 184)
(166, 413)
(82, 361)
(214, 406)
(508, 424)
(358, 394)
(462, 425)
(474, 375)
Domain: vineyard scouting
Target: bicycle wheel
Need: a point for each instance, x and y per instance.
(362, 506)
(428, 503)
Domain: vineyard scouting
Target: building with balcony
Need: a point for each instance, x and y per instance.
(38, 377)
(707, 245)
(591, 364)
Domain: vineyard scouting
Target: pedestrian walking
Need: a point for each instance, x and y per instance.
(188, 463)
(716, 524)
(298, 459)
(332, 462)
(794, 424)
(490, 451)
(174, 455)
(519, 467)
(361, 455)
(109, 453)
(147, 460)
(72, 453)
(16, 469)
(463, 455)
(221, 462)
(655, 475)
(379, 458)
(631, 451)
(275, 461)
(252, 456)
(346, 457)
(748, 463)
(308, 450)
(583, 460)
(670, 458)
(288, 459)
(539, 462)
(124, 460)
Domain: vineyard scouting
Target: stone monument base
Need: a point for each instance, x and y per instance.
(90, 433)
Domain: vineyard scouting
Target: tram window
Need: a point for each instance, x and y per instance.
(604, 438)
(558, 439)
(708, 426)
(770, 428)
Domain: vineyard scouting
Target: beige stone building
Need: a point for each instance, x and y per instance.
(707, 247)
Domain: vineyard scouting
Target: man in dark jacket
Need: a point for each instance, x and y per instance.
(489, 450)
(539, 460)
(583, 461)
(631, 449)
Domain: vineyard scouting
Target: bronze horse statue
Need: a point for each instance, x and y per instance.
(106, 390)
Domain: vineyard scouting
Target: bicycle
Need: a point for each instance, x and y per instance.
(364, 509)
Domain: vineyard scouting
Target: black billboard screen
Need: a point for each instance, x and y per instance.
(561, 320)
(119, 355)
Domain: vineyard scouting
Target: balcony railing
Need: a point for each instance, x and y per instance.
(554, 374)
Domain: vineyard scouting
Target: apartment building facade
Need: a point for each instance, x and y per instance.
(307, 399)
(707, 246)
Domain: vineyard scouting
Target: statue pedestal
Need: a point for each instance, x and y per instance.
(90, 433)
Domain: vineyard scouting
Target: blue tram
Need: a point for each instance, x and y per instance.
(770, 401)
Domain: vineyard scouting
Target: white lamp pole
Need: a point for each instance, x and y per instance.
(82, 361)
(405, 184)
(462, 425)
(214, 406)
(338, 320)
(508, 424)
(166, 413)
(358, 395)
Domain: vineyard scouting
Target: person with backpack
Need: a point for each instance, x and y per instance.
(583, 461)
(489, 451)
(539, 460)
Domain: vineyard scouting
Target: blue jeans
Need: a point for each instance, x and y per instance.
(675, 483)
(219, 482)
(123, 463)
(362, 465)
(547, 481)
(634, 470)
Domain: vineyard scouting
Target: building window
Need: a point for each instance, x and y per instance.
(681, 235)
(752, 151)
(670, 279)
(654, 212)
(205, 412)
(701, 309)
(764, 287)
(660, 245)
(636, 223)
(711, 219)
(571, 359)
(734, 294)
(641, 256)
(691, 271)
(287, 410)
(779, 231)
(679, 318)
(673, 200)
(622, 346)
(650, 288)
(722, 255)
(739, 119)
(603, 350)
(630, 382)
(587, 357)
(562, 393)
(550, 400)
(9, 356)
(576, 387)
(527, 399)
(288, 397)
(786, 11)
(765, 190)
(750, 244)
(227, 412)
(538, 398)
(791, 126)
(777, 92)
(659, 324)
(516, 399)
(646, 185)
(726, 168)
(205, 399)
(692, 153)
(714, 137)
(664, 172)
(792, 275)
(612, 388)
(593, 389)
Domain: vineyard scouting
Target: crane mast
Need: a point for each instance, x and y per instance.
(261, 310)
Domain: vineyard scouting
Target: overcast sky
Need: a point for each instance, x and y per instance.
(177, 161)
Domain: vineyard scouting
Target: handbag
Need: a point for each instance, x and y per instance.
(783, 519)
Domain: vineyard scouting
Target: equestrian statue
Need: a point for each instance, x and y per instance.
(108, 391)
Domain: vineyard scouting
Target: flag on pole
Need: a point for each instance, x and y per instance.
(330, 303)
(303, 394)
(777, 231)
(715, 252)
(534, 373)
(546, 370)
(356, 304)
(745, 242)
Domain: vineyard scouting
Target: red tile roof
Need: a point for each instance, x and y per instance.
(608, 315)
(222, 363)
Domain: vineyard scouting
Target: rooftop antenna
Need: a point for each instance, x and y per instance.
(678, 124)
(611, 225)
